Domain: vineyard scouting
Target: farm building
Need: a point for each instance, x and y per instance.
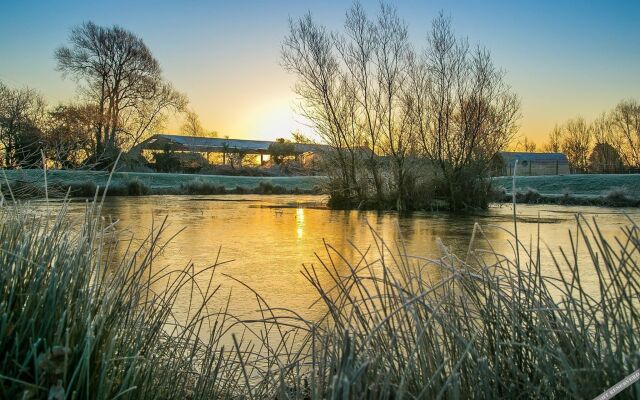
(225, 148)
(530, 163)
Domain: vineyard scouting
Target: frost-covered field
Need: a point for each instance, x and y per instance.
(580, 185)
(577, 185)
(157, 181)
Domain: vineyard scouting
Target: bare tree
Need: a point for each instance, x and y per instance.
(382, 107)
(355, 96)
(608, 147)
(327, 100)
(577, 143)
(554, 143)
(121, 78)
(192, 125)
(469, 113)
(22, 114)
(150, 114)
(391, 57)
(69, 134)
(358, 49)
(605, 158)
(526, 145)
(625, 123)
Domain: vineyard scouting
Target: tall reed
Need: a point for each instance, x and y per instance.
(78, 320)
(488, 327)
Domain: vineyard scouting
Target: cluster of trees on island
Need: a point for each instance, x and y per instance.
(405, 124)
(409, 125)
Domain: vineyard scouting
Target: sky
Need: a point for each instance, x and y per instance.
(563, 58)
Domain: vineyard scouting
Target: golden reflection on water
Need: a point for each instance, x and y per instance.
(268, 239)
(299, 222)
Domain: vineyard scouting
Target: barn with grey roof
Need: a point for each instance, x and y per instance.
(504, 163)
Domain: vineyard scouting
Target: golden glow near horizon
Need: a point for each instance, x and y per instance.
(225, 55)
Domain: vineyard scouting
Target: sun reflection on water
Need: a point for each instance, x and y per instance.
(266, 247)
(299, 222)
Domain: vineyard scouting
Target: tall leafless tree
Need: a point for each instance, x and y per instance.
(357, 48)
(120, 76)
(625, 121)
(22, 115)
(328, 99)
(468, 112)
(381, 106)
(577, 143)
(191, 125)
(554, 142)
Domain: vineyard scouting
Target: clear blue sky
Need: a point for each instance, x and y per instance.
(564, 58)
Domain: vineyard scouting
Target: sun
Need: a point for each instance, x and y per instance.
(274, 118)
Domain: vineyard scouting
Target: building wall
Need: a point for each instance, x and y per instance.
(534, 168)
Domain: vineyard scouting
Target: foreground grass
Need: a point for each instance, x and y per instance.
(78, 320)
(489, 327)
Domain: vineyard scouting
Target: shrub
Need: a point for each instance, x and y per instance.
(567, 198)
(530, 196)
(84, 189)
(237, 171)
(135, 187)
(166, 161)
(280, 150)
(497, 194)
(270, 188)
(199, 186)
(617, 195)
(240, 190)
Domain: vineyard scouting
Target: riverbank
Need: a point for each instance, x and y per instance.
(578, 190)
(616, 198)
(31, 182)
(612, 190)
(577, 185)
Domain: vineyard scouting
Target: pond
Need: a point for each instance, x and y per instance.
(267, 239)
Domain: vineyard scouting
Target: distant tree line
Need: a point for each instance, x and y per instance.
(405, 125)
(122, 94)
(610, 143)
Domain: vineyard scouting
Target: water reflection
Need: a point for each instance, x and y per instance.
(269, 238)
(299, 222)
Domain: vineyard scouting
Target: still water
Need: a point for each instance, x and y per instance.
(267, 239)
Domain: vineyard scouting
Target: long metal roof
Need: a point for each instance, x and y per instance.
(204, 144)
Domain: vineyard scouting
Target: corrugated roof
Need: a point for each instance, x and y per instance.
(194, 143)
(509, 157)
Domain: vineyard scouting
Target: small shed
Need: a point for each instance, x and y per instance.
(529, 163)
